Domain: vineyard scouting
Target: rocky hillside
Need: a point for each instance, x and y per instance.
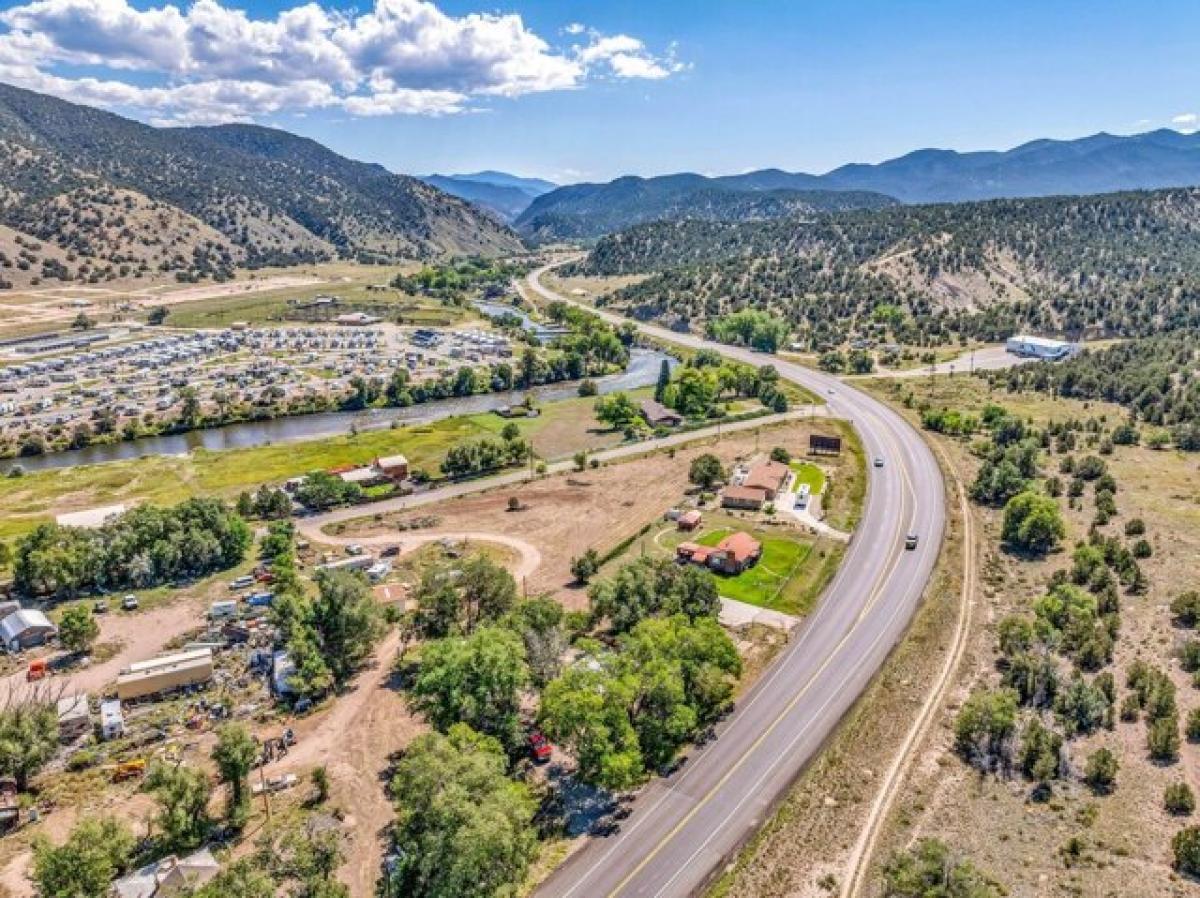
(200, 201)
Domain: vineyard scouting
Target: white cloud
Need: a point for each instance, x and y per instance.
(211, 62)
(1186, 120)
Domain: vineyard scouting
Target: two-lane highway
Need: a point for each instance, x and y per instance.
(684, 829)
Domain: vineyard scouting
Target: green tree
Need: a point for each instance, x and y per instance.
(476, 680)
(1033, 523)
(617, 410)
(455, 599)
(985, 727)
(541, 626)
(462, 826)
(77, 629)
(1100, 772)
(182, 793)
(346, 622)
(1040, 752)
(28, 736)
(96, 851)
(586, 709)
(653, 587)
(1186, 608)
(234, 754)
(706, 470)
(584, 567)
(241, 879)
(664, 380)
(929, 870)
(1162, 739)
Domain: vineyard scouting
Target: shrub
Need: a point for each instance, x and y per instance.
(1100, 772)
(1179, 799)
(1162, 739)
(1186, 849)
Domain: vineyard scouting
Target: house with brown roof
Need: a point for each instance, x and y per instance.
(750, 498)
(735, 553)
(770, 476)
(732, 555)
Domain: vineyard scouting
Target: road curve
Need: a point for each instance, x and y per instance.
(684, 829)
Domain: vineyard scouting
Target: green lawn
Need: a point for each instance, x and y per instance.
(806, 472)
(790, 575)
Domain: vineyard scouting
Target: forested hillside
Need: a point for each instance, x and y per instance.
(199, 201)
(1117, 264)
(582, 211)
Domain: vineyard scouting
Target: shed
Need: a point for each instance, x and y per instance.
(26, 628)
(393, 467)
(112, 721)
(658, 415)
(74, 717)
(689, 520)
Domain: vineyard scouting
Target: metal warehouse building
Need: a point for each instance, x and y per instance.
(1031, 347)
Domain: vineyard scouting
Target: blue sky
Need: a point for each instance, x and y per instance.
(591, 89)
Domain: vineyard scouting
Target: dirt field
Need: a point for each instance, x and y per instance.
(1076, 843)
(564, 515)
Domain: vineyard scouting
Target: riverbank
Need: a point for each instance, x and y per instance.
(562, 428)
(641, 371)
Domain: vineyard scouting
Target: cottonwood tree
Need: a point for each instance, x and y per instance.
(97, 850)
(234, 754)
(476, 680)
(462, 826)
(182, 793)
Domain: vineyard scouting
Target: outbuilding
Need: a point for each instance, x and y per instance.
(74, 717)
(112, 720)
(658, 415)
(26, 628)
(393, 467)
(166, 674)
(1031, 347)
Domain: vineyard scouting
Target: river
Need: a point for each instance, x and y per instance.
(642, 371)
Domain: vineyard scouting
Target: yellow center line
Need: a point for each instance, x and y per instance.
(879, 584)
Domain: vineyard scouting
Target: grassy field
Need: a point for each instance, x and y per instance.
(564, 427)
(38, 496)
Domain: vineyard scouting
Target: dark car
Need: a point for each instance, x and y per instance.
(910, 541)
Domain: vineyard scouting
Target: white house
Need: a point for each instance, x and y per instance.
(1028, 346)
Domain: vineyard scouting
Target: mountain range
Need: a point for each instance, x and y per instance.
(592, 210)
(1102, 163)
(506, 195)
(114, 197)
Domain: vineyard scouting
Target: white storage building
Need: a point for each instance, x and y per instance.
(1031, 347)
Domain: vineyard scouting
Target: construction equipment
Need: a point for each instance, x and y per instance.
(128, 770)
(38, 670)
